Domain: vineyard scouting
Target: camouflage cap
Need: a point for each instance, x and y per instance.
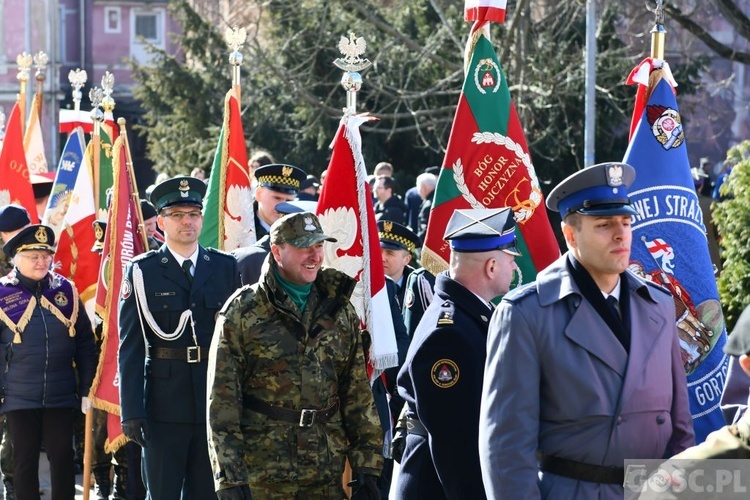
(300, 230)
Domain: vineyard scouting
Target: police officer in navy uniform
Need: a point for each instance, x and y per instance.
(441, 379)
(276, 183)
(397, 243)
(169, 301)
(419, 294)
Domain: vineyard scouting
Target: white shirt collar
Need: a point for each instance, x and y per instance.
(616, 291)
(180, 259)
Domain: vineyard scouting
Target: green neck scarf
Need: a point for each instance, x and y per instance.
(298, 293)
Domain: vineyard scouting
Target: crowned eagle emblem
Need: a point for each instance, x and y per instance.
(352, 49)
(614, 175)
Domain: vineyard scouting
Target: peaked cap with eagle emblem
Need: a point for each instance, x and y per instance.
(282, 178)
(396, 236)
(596, 190)
(178, 191)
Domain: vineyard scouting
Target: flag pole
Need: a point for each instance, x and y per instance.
(235, 38)
(129, 165)
(108, 102)
(40, 63)
(88, 448)
(95, 96)
(24, 61)
(658, 33)
(108, 105)
(351, 64)
(77, 80)
(97, 116)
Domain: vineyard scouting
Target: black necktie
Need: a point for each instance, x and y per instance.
(186, 266)
(612, 303)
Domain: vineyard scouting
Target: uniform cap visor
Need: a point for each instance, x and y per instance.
(309, 240)
(602, 210)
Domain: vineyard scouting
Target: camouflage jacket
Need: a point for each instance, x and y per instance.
(264, 349)
(5, 265)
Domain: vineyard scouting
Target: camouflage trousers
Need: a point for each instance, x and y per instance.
(261, 491)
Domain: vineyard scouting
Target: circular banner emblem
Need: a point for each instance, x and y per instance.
(126, 289)
(409, 300)
(445, 373)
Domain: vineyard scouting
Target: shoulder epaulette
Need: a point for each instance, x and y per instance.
(143, 256)
(659, 287)
(219, 252)
(518, 294)
(447, 313)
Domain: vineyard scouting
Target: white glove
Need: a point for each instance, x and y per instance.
(85, 405)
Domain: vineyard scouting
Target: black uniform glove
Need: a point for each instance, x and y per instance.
(398, 443)
(235, 493)
(365, 487)
(136, 430)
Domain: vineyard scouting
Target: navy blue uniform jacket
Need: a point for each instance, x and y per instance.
(441, 382)
(170, 390)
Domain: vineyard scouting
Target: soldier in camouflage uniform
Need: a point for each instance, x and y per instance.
(288, 392)
(13, 218)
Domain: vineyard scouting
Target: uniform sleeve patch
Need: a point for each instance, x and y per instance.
(126, 289)
(409, 299)
(445, 373)
(446, 318)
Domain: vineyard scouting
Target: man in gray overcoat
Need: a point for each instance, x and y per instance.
(583, 366)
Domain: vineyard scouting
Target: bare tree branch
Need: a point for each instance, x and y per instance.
(712, 43)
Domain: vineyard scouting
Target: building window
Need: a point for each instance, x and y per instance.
(112, 19)
(147, 25)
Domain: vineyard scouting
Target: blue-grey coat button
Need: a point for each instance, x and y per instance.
(660, 419)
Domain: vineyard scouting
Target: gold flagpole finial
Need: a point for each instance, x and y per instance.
(352, 48)
(235, 38)
(77, 80)
(41, 60)
(658, 32)
(121, 124)
(40, 63)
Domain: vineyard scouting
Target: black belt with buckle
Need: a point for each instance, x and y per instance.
(581, 471)
(192, 354)
(306, 417)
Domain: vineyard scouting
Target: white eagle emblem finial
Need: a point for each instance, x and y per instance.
(352, 49)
